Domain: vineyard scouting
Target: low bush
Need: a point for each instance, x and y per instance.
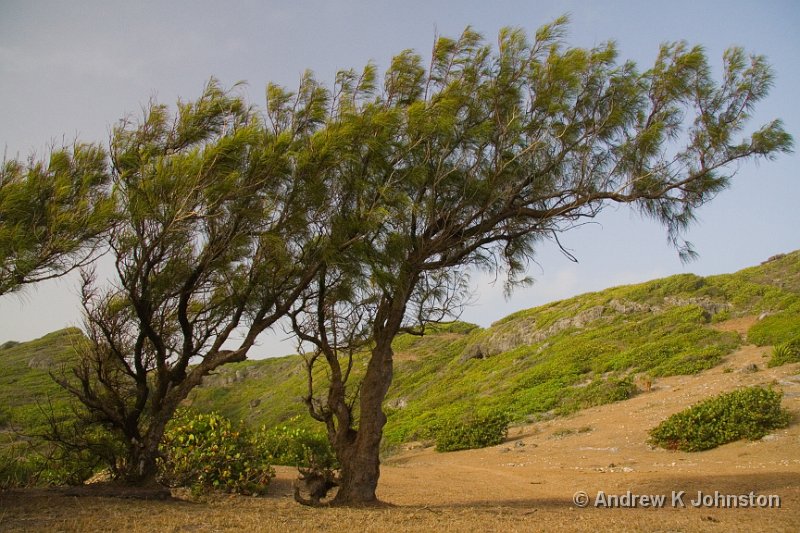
(206, 452)
(291, 445)
(745, 413)
(598, 392)
(479, 431)
(788, 352)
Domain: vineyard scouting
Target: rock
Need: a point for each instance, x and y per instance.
(774, 258)
(397, 403)
(255, 403)
(625, 307)
(704, 302)
(41, 362)
(749, 369)
(472, 352)
(525, 331)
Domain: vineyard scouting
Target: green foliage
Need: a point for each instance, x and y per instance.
(291, 445)
(206, 452)
(35, 462)
(478, 431)
(598, 392)
(788, 352)
(52, 214)
(745, 413)
(776, 329)
(19, 467)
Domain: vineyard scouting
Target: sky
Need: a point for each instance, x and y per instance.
(71, 70)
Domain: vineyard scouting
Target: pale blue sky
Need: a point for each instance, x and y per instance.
(71, 69)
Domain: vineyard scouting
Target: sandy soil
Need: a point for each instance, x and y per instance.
(525, 484)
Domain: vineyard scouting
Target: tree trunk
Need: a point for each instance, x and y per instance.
(360, 457)
(142, 467)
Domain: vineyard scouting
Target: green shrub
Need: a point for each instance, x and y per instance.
(294, 446)
(35, 463)
(205, 452)
(775, 329)
(598, 392)
(745, 413)
(478, 431)
(788, 352)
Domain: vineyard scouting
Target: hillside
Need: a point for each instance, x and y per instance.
(550, 360)
(538, 363)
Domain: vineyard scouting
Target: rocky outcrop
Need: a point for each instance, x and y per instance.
(704, 302)
(525, 331)
(41, 362)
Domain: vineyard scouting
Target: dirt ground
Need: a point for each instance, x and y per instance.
(527, 483)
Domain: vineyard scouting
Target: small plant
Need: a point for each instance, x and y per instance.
(478, 431)
(206, 452)
(788, 352)
(745, 413)
(566, 432)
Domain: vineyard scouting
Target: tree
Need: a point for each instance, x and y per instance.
(488, 153)
(52, 215)
(221, 225)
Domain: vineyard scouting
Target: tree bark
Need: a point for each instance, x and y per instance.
(360, 457)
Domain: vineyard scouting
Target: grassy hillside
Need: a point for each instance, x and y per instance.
(544, 361)
(25, 382)
(541, 362)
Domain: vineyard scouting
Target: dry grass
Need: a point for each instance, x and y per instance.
(41, 510)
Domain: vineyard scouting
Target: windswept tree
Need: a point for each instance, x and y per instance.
(223, 220)
(488, 153)
(52, 214)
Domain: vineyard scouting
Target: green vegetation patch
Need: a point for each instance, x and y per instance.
(290, 444)
(598, 392)
(776, 329)
(788, 352)
(748, 413)
(478, 431)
